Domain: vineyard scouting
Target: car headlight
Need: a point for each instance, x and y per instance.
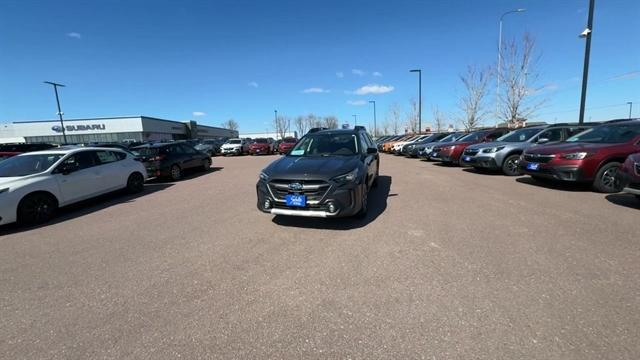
(264, 177)
(575, 155)
(492, 150)
(351, 176)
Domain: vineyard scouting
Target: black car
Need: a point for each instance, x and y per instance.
(411, 150)
(170, 160)
(327, 174)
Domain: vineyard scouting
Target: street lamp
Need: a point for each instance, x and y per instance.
(375, 127)
(55, 89)
(275, 122)
(419, 71)
(500, 56)
(355, 120)
(587, 52)
(630, 103)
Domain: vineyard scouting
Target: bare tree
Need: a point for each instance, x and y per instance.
(330, 122)
(518, 74)
(385, 127)
(473, 101)
(230, 124)
(282, 125)
(301, 125)
(438, 119)
(393, 118)
(412, 117)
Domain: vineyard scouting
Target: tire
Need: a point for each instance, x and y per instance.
(510, 165)
(175, 173)
(375, 181)
(606, 180)
(362, 213)
(206, 165)
(135, 183)
(37, 208)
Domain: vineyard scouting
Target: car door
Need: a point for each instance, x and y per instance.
(113, 169)
(192, 157)
(370, 160)
(78, 176)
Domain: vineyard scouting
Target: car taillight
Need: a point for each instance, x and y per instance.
(158, 157)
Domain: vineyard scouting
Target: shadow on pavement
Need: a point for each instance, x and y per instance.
(482, 171)
(86, 207)
(556, 185)
(187, 175)
(627, 200)
(377, 205)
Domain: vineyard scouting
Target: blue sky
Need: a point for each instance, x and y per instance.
(214, 60)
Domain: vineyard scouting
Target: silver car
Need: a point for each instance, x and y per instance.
(504, 154)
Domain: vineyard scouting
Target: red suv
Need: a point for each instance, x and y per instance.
(630, 175)
(594, 155)
(286, 145)
(261, 146)
(450, 153)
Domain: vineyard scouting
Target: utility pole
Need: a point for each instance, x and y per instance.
(375, 127)
(275, 122)
(355, 120)
(499, 70)
(630, 103)
(587, 52)
(55, 89)
(419, 71)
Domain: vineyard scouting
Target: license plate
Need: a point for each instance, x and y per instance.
(466, 158)
(296, 200)
(533, 166)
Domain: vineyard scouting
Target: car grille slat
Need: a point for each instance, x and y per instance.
(538, 158)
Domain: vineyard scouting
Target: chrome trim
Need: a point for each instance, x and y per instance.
(307, 213)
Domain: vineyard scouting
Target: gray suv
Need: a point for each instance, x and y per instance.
(504, 154)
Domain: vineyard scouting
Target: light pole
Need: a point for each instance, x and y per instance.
(375, 127)
(419, 71)
(275, 121)
(630, 103)
(498, 78)
(587, 52)
(55, 89)
(355, 120)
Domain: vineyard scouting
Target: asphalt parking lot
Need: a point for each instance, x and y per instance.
(449, 264)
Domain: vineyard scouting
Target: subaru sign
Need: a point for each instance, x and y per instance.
(71, 128)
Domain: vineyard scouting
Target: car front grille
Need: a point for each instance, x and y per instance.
(314, 190)
(471, 152)
(538, 158)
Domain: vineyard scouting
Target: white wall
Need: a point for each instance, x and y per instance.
(45, 128)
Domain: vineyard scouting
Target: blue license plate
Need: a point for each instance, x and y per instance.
(466, 158)
(533, 166)
(296, 200)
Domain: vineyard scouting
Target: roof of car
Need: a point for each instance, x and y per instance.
(68, 149)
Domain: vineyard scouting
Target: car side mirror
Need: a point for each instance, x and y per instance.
(372, 150)
(542, 141)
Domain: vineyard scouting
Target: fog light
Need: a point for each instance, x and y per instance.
(267, 204)
(332, 208)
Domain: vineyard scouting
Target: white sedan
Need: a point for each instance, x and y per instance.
(34, 185)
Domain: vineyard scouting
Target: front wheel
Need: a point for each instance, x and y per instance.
(510, 165)
(36, 208)
(135, 183)
(206, 165)
(365, 204)
(176, 173)
(607, 180)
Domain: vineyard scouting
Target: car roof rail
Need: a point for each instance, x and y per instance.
(316, 129)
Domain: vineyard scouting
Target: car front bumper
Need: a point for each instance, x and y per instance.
(486, 162)
(231, 151)
(347, 200)
(558, 172)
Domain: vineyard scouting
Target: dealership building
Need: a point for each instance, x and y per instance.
(109, 129)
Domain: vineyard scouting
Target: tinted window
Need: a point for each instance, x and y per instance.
(27, 164)
(261, 141)
(519, 135)
(610, 134)
(106, 157)
(552, 134)
(81, 160)
(186, 149)
(327, 145)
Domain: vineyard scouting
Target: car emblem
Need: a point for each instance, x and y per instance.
(295, 186)
(56, 128)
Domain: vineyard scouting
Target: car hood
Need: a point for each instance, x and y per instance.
(308, 168)
(490, 145)
(569, 147)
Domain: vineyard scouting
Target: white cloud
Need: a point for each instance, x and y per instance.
(340, 74)
(374, 89)
(377, 73)
(74, 35)
(253, 84)
(357, 72)
(315, 90)
(199, 113)
(626, 76)
(357, 102)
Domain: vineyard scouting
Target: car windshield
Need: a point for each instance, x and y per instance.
(234, 141)
(290, 141)
(608, 134)
(27, 164)
(471, 137)
(326, 145)
(521, 135)
(260, 141)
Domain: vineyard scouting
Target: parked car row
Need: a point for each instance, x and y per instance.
(606, 155)
(258, 146)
